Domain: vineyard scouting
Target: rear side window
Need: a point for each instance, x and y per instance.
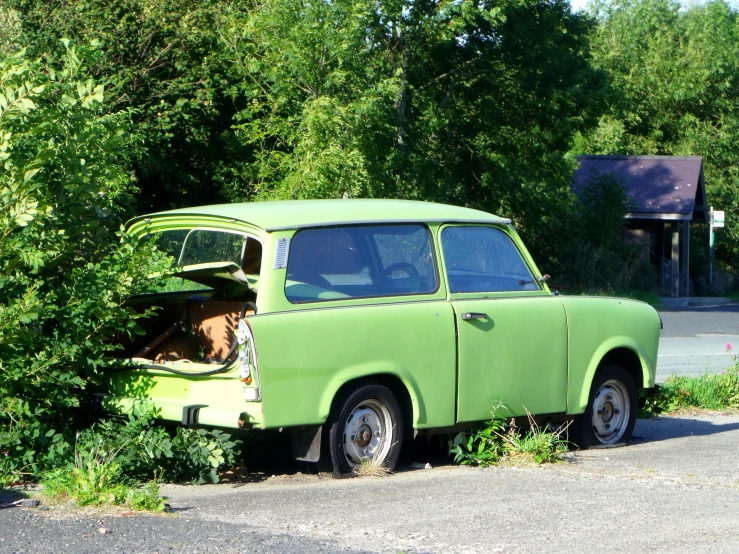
(361, 261)
(484, 259)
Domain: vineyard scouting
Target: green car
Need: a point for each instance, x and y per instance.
(357, 324)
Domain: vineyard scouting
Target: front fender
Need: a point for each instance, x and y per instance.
(578, 399)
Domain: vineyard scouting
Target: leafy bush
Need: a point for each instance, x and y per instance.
(65, 268)
(121, 461)
(199, 453)
(144, 449)
(498, 440)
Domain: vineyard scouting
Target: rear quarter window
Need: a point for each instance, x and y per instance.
(359, 262)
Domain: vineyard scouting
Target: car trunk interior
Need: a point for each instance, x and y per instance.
(197, 325)
(193, 326)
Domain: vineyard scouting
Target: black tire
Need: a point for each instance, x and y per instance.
(357, 429)
(611, 413)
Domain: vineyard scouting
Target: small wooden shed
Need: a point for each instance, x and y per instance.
(668, 195)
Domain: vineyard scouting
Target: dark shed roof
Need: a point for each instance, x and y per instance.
(657, 184)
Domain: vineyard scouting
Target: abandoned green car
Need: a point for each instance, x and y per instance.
(357, 324)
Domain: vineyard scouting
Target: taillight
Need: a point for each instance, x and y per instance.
(248, 364)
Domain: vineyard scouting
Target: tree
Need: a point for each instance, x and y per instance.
(675, 73)
(471, 103)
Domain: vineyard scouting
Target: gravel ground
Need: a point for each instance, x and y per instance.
(674, 489)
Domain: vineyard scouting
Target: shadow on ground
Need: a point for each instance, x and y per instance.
(7, 497)
(663, 428)
(269, 454)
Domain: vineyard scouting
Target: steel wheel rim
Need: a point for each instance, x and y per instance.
(367, 433)
(611, 411)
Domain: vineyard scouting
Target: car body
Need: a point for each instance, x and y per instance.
(358, 323)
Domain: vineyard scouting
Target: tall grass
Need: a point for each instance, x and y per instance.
(710, 391)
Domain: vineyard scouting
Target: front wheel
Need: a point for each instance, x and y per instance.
(611, 413)
(366, 426)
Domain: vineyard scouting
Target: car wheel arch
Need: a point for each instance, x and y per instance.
(618, 351)
(628, 360)
(403, 392)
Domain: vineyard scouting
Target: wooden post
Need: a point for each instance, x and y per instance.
(660, 245)
(675, 270)
(685, 258)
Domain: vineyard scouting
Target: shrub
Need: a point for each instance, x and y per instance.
(143, 449)
(65, 268)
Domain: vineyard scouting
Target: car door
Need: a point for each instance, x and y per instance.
(511, 333)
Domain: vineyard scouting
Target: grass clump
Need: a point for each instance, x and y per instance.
(500, 440)
(710, 391)
(370, 467)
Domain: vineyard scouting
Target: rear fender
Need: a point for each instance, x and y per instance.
(367, 371)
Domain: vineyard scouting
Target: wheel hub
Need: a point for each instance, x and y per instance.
(366, 432)
(364, 436)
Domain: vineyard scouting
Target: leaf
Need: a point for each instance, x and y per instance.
(28, 175)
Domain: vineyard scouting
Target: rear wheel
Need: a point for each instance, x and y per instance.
(611, 413)
(366, 426)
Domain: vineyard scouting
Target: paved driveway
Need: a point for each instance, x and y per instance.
(674, 489)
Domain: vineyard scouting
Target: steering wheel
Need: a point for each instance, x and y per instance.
(408, 269)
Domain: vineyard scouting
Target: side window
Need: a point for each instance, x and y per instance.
(361, 261)
(205, 246)
(484, 259)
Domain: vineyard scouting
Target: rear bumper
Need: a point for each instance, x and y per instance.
(189, 415)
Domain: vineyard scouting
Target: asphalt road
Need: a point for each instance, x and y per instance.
(694, 340)
(674, 489)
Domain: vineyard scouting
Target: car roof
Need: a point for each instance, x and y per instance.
(297, 214)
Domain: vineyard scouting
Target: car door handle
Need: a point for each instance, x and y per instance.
(468, 316)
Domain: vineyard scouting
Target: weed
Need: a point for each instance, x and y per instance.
(142, 449)
(97, 479)
(710, 391)
(538, 444)
(498, 440)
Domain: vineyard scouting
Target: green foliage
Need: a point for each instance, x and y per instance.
(96, 480)
(710, 391)
(160, 60)
(10, 30)
(65, 269)
(497, 441)
(144, 450)
(675, 74)
(200, 453)
(599, 255)
(412, 99)
(481, 447)
(470, 103)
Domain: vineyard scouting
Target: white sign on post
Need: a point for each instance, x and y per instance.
(718, 219)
